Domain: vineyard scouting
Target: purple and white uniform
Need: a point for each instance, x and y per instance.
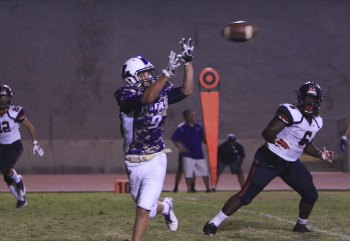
(142, 127)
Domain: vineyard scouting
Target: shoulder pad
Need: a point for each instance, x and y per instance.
(13, 111)
(289, 114)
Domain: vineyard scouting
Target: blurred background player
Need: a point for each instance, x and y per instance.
(231, 154)
(188, 138)
(143, 105)
(289, 134)
(11, 147)
(179, 172)
(344, 139)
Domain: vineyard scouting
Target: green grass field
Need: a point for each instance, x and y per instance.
(110, 216)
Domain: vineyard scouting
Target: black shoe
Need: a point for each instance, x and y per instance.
(208, 190)
(301, 228)
(210, 229)
(21, 204)
(175, 189)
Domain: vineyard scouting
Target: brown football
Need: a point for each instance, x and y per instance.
(239, 31)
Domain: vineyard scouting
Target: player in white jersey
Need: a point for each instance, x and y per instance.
(289, 134)
(11, 148)
(143, 109)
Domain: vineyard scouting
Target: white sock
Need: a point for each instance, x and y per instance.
(15, 176)
(13, 191)
(302, 221)
(166, 208)
(219, 218)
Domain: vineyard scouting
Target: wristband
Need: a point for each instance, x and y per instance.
(35, 142)
(166, 73)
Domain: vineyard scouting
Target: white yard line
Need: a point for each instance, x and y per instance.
(270, 216)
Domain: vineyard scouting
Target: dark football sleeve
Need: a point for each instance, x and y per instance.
(176, 95)
(21, 116)
(284, 115)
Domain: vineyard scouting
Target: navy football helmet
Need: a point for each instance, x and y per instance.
(136, 66)
(309, 99)
(5, 90)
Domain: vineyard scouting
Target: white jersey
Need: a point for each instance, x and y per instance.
(10, 124)
(297, 133)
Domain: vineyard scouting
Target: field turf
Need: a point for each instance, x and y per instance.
(110, 216)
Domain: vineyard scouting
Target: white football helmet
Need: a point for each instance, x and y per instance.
(135, 66)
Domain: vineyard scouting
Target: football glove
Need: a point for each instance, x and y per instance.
(281, 143)
(37, 149)
(343, 143)
(326, 155)
(172, 65)
(186, 48)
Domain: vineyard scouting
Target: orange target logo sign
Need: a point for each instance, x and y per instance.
(209, 78)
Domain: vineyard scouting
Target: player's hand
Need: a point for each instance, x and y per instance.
(326, 155)
(37, 149)
(186, 48)
(343, 143)
(281, 143)
(172, 65)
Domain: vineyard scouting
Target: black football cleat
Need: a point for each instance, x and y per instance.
(210, 229)
(21, 204)
(301, 228)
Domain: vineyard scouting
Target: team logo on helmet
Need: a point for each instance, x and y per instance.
(134, 67)
(309, 99)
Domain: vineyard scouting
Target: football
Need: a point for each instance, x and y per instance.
(239, 31)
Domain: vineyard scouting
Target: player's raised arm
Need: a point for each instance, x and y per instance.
(152, 91)
(187, 47)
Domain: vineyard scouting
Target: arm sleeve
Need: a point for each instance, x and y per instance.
(242, 153)
(176, 95)
(284, 115)
(21, 116)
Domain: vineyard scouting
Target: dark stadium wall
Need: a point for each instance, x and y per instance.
(63, 58)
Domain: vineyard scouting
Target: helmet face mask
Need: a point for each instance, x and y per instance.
(5, 96)
(138, 72)
(309, 99)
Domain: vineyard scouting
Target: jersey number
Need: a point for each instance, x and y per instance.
(305, 138)
(4, 127)
(155, 121)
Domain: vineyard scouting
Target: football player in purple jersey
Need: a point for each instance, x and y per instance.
(143, 105)
(289, 134)
(11, 148)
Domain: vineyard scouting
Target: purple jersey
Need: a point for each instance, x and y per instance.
(191, 137)
(142, 126)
